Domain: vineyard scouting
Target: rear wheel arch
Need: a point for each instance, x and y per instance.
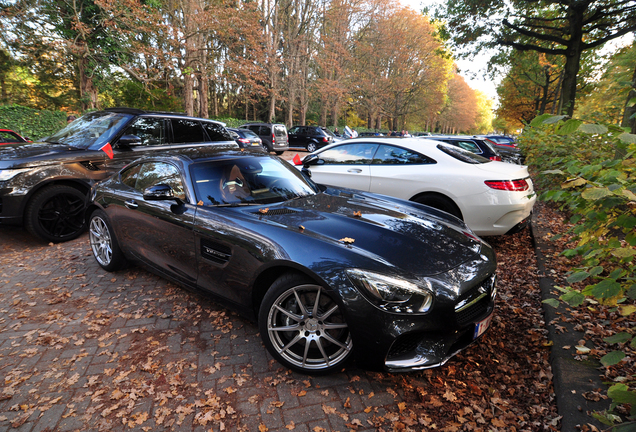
(440, 202)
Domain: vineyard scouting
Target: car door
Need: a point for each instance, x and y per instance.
(346, 165)
(401, 172)
(158, 233)
(293, 136)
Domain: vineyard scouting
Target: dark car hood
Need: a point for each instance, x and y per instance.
(39, 153)
(394, 232)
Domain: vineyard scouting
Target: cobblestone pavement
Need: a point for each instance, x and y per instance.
(83, 349)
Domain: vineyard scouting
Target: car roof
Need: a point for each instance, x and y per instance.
(140, 112)
(195, 154)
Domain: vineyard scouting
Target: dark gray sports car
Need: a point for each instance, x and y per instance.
(328, 274)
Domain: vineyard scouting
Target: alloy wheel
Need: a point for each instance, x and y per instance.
(101, 241)
(307, 329)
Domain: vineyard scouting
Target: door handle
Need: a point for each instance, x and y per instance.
(355, 170)
(131, 204)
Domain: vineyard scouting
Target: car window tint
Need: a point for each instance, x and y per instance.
(249, 134)
(7, 137)
(391, 155)
(254, 180)
(129, 175)
(468, 145)
(216, 132)
(150, 130)
(187, 131)
(294, 130)
(462, 155)
(280, 130)
(264, 130)
(155, 173)
(358, 154)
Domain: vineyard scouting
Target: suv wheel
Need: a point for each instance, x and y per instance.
(311, 147)
(56, 213)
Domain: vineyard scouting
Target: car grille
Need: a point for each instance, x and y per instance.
(405, 344)
(474, 303)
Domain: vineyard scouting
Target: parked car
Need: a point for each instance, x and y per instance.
(493, 198)
(245, 138)
(370, 134)
(397, 285)
(44, 185)
(502, 140)
(7, 136)
(482, 147)
(274, 135)
(310, 137)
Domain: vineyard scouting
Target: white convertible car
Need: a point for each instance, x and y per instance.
(493, 198)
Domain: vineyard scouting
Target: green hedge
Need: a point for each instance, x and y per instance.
(31, 123)
(589, 170)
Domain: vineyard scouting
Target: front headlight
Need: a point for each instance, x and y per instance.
(391, 293)
(8, 174)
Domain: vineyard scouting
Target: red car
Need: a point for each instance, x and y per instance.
(7, 136)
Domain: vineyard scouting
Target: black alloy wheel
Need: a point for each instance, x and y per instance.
(303, 327)
(56, 213)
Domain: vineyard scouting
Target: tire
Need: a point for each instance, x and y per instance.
(440, 202)
(311, 147)
(104, 243)
(56, 213)
(300, 335)
(279, 152)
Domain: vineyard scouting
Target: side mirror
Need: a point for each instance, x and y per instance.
(312, 159)
(160, 192)
(129, 140)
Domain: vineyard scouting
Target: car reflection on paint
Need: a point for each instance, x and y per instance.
(329, 274)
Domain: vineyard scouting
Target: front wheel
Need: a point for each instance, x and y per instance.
(56, 213)
(303, 327)
(104, 243)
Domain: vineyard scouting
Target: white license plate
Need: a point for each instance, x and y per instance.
(482, 326)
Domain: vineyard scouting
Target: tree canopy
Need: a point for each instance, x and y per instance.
(275, 60)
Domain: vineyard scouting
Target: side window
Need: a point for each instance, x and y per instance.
(151, 130)
(358, 154)
(391, 155)
(254, 129)
(155, 173)
(187, 131)
(129, 175)
(294, 130)
(216, 132)
(468, 145)
(264, 130)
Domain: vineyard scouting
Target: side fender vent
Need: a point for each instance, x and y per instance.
(215, 252)
(90, 166)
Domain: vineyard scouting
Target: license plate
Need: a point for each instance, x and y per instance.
(482, 326)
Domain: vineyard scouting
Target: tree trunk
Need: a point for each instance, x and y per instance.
(572, 62)
(88, 92)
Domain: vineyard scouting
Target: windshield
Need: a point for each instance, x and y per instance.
(248, 180)
(93, 128)
(462, 155)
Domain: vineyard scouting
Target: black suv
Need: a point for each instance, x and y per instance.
(43, 185)
(310, 137)
(274, 135)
